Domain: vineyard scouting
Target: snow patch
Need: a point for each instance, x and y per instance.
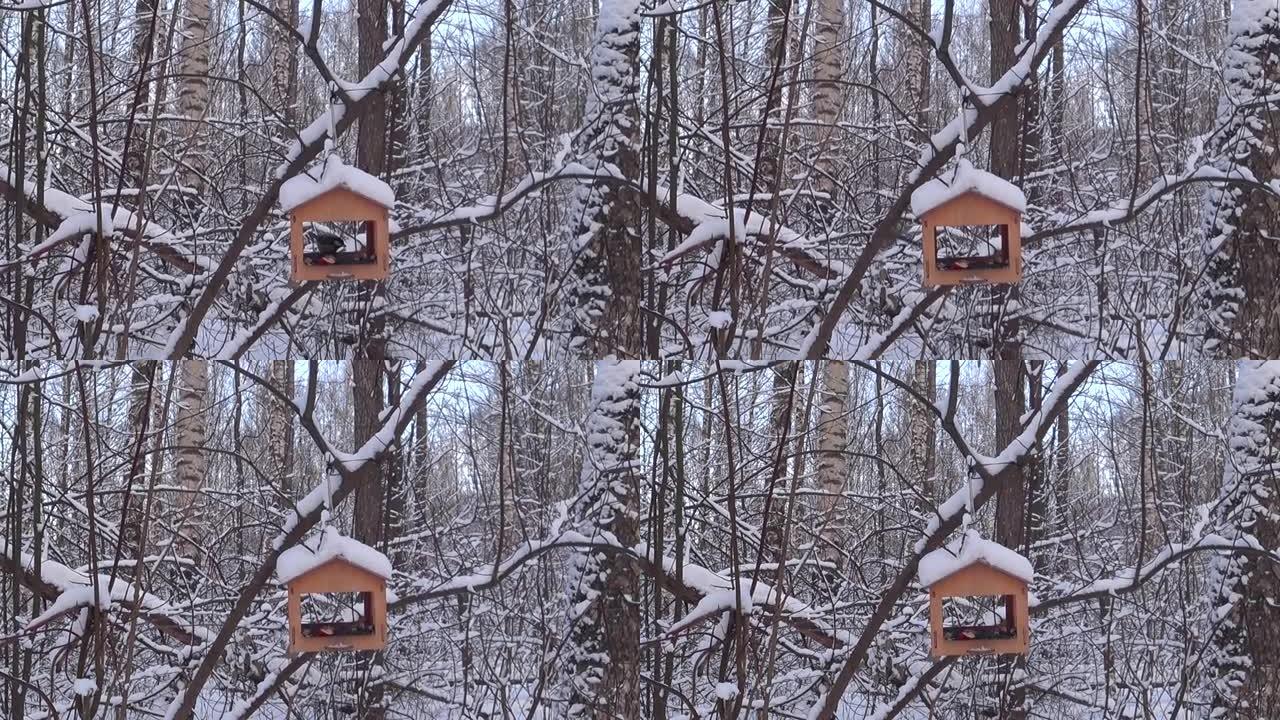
(965, 178)
(333, 175)
(86, 313)
(719, 319)
(331, 545)
(969, 549)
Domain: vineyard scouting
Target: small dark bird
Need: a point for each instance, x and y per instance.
(327, 246)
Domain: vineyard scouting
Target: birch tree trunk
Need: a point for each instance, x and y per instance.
(193, 92)
(828, 96)
(191, 465)
(282, 60)
(833, 464)
(916, 103)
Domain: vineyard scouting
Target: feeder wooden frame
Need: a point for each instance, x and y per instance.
(979, 580)
(338, 576)
(341, 205)
(971, 209)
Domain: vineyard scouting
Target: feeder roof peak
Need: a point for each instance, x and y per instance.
(970, 549)
(964, 178)
(334, 175)
(331, 545)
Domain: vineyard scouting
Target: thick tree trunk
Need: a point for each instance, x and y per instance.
(1011, 499)
(604, 218)
(1243, 653)
(1241, 224)
(367, 522)
(367, 399)
(280, 430)
(603, 649)
(367, 365)
(922, 431)
(781, 423)
(371, 140)
(145, 28)
(142, 396)
(775, 58)
(1011, 505)
(1003, 23)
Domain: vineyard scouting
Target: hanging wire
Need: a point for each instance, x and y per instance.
(326, 515)
(331, 142)
(968, 496)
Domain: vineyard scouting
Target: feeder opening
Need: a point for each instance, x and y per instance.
(339, 243)
(337, 614)
(979, 617)
(972, 247)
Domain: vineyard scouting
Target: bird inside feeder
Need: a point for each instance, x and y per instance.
(326, 615)
(337, 594)
(971, 227)
(978, 599)
(339, 219)
(339, 243)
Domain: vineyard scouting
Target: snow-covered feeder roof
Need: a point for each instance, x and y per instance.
(970, 549)
(332, 545)
(334, 175)
(964, 179)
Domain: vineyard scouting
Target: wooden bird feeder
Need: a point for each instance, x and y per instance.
(343, 586)
(977, 575)
(339, 222)
(971, 225)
